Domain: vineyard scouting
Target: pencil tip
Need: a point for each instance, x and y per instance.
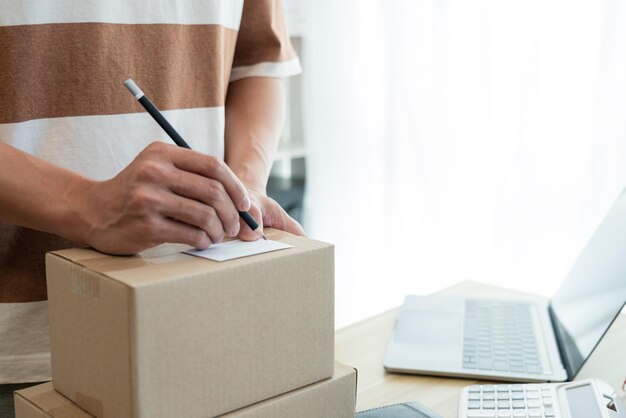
(264, 237)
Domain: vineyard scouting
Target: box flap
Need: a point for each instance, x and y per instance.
(168, 262)
(45, 399)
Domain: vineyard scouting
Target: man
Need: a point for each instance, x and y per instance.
(79, 164)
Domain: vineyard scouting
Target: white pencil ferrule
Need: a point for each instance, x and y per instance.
(133, 88)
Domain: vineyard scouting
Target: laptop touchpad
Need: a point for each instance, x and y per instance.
(422, 327)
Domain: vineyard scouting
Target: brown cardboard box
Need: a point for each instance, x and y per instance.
(42, 401)
(331, 398)
(148, 336)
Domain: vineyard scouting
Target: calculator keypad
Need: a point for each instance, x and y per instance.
(509, 401)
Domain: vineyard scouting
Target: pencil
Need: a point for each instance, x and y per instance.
(178, 140)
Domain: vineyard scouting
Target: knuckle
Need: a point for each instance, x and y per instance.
(208, 216)
(141, 199)
(215, 188)
(232, 218)
(156, 147)
(150, 171)
(157, 150)
(197, 237)
(217, 234)
(213, 225)
(150, 229)
(214, 164)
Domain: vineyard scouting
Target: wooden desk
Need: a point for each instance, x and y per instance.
(363, 345)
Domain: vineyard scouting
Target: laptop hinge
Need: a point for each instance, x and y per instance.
(557, 330)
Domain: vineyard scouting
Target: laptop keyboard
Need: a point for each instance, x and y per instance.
(499, 336)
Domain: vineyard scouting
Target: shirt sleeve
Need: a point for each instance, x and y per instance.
(263, 47)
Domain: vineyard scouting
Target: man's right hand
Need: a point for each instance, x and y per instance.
(167, 194)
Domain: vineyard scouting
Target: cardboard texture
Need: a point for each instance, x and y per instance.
(42, 401)
(330, 398)
(148, 336)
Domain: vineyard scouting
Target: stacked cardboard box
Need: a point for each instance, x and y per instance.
(329, 398)
(180, 336)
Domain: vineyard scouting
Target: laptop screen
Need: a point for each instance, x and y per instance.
(594, 292)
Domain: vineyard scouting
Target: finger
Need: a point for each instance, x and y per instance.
(195, 214)
(245, 232)
(292, 226)
(280, 219)
(210, 192)
(216, 169)
(172, 231)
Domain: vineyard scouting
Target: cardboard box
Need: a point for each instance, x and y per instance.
(330, 398)
(42, 401)
(146, 336)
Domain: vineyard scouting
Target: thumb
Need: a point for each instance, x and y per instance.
(245, 232)
(279, 219)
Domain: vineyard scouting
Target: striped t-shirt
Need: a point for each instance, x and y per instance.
(62, 98)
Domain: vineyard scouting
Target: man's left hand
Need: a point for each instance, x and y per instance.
(269, 214)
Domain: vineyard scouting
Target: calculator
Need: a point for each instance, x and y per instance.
(590, 398)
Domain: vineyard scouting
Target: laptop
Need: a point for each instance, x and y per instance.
(519, 340)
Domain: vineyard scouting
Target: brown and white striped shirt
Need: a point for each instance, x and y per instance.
(62, 68)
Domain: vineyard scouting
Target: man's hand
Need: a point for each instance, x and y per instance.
(255, 111)
(167, 194)
(268, 213)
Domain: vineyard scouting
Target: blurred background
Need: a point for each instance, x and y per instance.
(434, 141)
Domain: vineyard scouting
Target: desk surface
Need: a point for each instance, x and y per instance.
(363, 345)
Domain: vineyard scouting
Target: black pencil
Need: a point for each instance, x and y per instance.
(178, 140)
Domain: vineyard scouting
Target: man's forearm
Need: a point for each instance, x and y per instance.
(255, 114)
(33, 193)
(166, 194)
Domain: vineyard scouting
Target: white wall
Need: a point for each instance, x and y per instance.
(454, 139)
